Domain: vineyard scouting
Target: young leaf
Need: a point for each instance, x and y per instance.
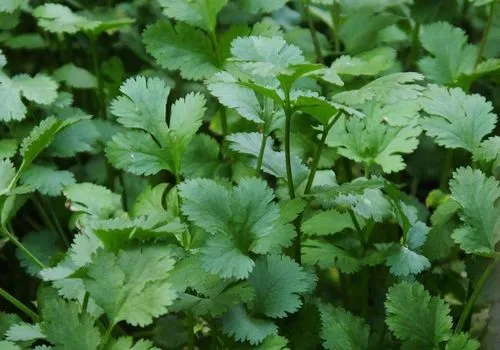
(133, 285)
(457, 120)
(199, 13)
(65, 326)
(181, 48)
(245, 327)
(416, 318)
(278, 281)
(342, 330)
(452, 55)
(478, 197)
(93, 199)
(46, 179)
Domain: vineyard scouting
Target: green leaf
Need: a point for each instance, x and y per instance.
(370, 62)
(370, 142)
(342, 330)
(142, 105)
(462, 341)
(201, 158)
(265, 57)
(199, 13)
(7, 345)
(273, 161)
(128, 343)
(47, 179)
(416, 318)
(238, 324)
(39, 89)
(40, 138)
(7, 174)
(387, 89)
(457, 120)
(478, 197)
(370, 204)
(93, 199)
(327, 255)
(10, 6)
(278, 282)
(242, 220)
(56, 18)
(133, 285)
(452, 56)
(7, 320)
(327, 223)
(8, 148)
(44, 245)
(162, 147)
(75, 77)
(181, 48)
(78, 138)
(261, 6)
(65, 327)
(24, 332)
(234, 95)
(150, 201)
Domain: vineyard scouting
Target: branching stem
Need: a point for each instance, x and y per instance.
(314, 35)
(484, 39)
(18, 304)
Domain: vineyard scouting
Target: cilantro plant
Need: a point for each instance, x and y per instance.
(249, 174)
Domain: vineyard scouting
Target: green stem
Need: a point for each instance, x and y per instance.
(190, 321)
(97, 72)
(484, 39)
(317, 156)
(43, 214)
(314, 36)
(359, 231)
(18, 304)
(58, 225)
(223, 119)
(412, 56)
(85, 303)
(18, 244)
(447, 168)
(261, 154)
(473, 298)
(335, 13)
(288, 156)
(107, 335)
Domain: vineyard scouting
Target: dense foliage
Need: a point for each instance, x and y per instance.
(249, 174)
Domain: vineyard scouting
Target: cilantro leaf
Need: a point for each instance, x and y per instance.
(342, 330)
(7, 174)
(262, 6)
(199, 13)
(8, 148)
(181, 48)
(245, 327)
(47, 179)
(10, 6)
(58, 18)
(161, 146)
(8, 345)
(75, 77)
(327, 223)
(417, 318)
(452, 55)
(278, 281)
(44, 245)
(457, 120)
(477, 196)
(128, 343)
(24, 332)
(93, 199)
(327, 255)
(370, 62)
(135, 288)
(462, 341)
(65, 327)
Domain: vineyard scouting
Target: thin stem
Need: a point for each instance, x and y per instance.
(85, 303)
(359, 231)
(261, 154)
(473, 298)
(314, 36)
(107, 335)
(447, 169)
(43, 214)
(18, 304)
(97, 72)
(18, 244)
(59, 228)
(484, 39)
(223, 119)
(288, 156)
(335, 14)
(412, 56)
(317, 155)
(190, 321)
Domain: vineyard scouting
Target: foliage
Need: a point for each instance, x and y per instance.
(249, 174)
